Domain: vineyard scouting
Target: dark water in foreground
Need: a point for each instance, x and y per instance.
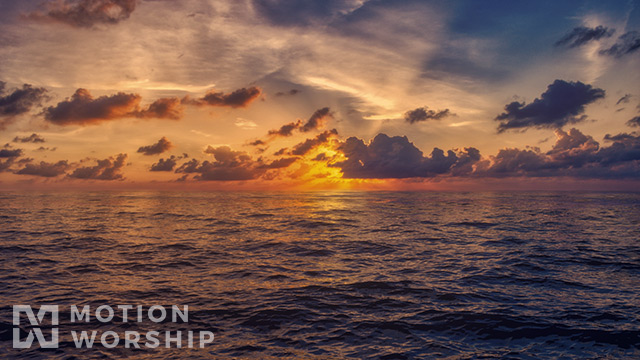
(335, 275)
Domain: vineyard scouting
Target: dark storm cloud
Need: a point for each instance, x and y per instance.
(33, 138)
(396, 157)
(424, 114)
(18, 101)
(626, 44)
(574, 154)
(622, 137)
(106, 169)
(165, 164)
(635, 122)
(158, 148)
(310, 144)
(582, 35)
(572, 149)
(317, 120)
(624, 150)
(45, 169)
(239, 98)
(466, 160)
(83, 109)
(513, 162)
(85, 13)
(559, 105)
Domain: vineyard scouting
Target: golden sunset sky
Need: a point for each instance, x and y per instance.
(273, 94)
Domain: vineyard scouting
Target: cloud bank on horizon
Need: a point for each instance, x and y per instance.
(297, 92)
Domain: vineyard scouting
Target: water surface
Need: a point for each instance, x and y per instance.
(337, 275)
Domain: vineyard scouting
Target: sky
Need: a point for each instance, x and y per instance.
(332, 94)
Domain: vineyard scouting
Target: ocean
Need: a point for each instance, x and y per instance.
(331, 275)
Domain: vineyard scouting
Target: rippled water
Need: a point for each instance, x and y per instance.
(337, 275)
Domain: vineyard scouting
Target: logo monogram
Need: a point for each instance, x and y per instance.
(35, 321)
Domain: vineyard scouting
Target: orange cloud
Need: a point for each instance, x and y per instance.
(85, 13)
(84, 109)
(158, 148)
(106, 169)
(239, 98)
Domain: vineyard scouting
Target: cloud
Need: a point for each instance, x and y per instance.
(189, 167)
(321, 157)
(317, 120)
(424, 114)
(6, 164)
(42, 148)
(230, 165)
(572, 148)
(165, 108)
(623, 100)
(396, 157)
(625, 149)
(33, 138)
(257, 142)
(309, 144)
(286, 130)
(635, 122)
(582, 35)
(291, 92)
(10, 153)
(18, 102)
(158, 148)
(45, 169)
(514, 162)
(626, 44)
(245, 124)
(573, 155)
(279, 163)
(165, 164)
(239, 98)
(302, 12)
(559, 105)
(84, 109)
(107, 169)
(85, 13)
